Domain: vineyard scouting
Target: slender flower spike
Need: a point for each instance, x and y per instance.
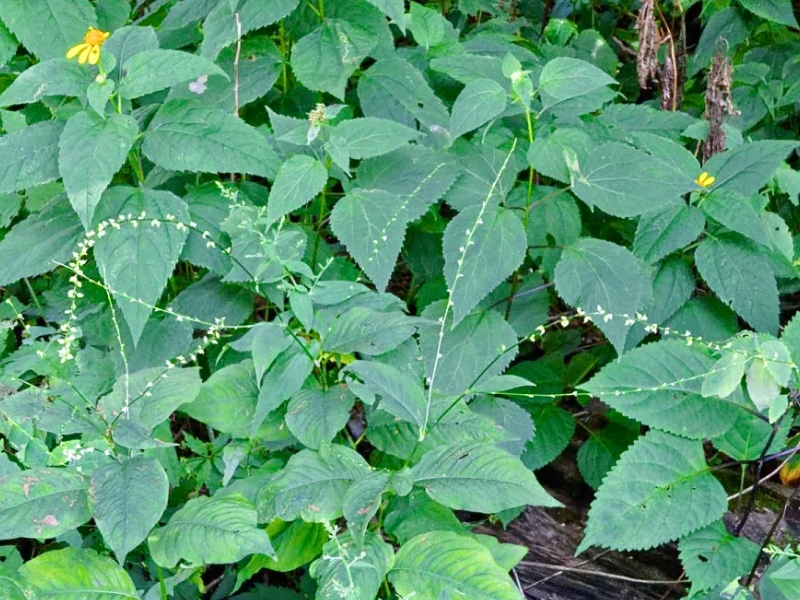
(705, 180)
(89, 49)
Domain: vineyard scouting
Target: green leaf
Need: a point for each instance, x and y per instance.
(548, 155)
(442, 564)
(478, 477)
(298, 181)
(42, 503)
(569, 86)
(554, 429)
(295, 546)
(140, 402)
(483, 245)
(778, 11)
(57, 232)
(508, 416)
(316, 417)
(152, 70)
(326, 58)
(281, 380)
(136, 262)
(368, 331)
(227, 400)
(208, 208)
(210, 531)
(661, 479)
(366, 138)
(600, 452)
(660, 385)
(479, 102)
(12, 585)
(786, 578)
(55, 77)
(595, 273)
(401, 396)
(470, 350)
(127, 42)
(29, 157)
(416, 513)
(488, 175)
(78, 574)
(127, 500)
(8, 45)
(746, 168)
(666, 229)
(312, 484)
(210, 299)
(91, 150)
(186, 136)
(362, 501)
(737, 213)
(626, 182)
(48, 28)
(742, 278)
(426, 25)
(394, 89)
(711, 556)
(357, 573)
(673, 284)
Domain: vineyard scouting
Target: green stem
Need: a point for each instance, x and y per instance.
(530, 170)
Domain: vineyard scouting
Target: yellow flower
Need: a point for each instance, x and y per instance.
(89, 49)
(705, 180)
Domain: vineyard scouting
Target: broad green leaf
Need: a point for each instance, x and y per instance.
(661, 479)
(140, 402)
(442, 564)
(185, 136)
(127, 42)
(729, 22)
(478, 348)
(372, 222)
(548, 156)
(152, 70)
(625, 182)
(362, 501)
(78, 574)
(91, 150)
(358, 573)
(779, 11)
(479, 102)
(281, 380)
(737, 213)
(599, 276)
(554, 220)
(298, 181)
(312, 485)
(127, 500)
(42, 503)
(368, 331)
(482, 246)
(12, 585)
(394, 9)
(508, 416)
(316, 417)
(56, 230)
(569, 86)
(790, 336)
(400, 395)
(659, 384)
(227, 400)
(478, 477)
(416, 513)
(742, 278)
(295, 546)
(136, 262)
(426, 25)
(326, 58)
(673, 154)
(712, 556)
(208, 208)
(366, 138)
(725, 375)
(29, 157)
(554, 429)
(162, 339)
(786, 578)
(210, 531)
(487, 174)
(761, 386)
(673, 284)
(48, 28)
(667, 229)
(746, 168)
(8, 45)
(55, 77)
(600, 452)
(210, 299)
(394, 89)
(255, 14)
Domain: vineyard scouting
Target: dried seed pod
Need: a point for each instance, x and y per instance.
(718, 101)
(647, 56)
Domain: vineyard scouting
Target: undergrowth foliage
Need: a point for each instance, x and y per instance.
(295, 295)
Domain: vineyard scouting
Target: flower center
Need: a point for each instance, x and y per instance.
(94, 37)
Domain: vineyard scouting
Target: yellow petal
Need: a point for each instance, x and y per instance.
(94, 55)
(73, 52)
(85, 54)
(709, 181)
